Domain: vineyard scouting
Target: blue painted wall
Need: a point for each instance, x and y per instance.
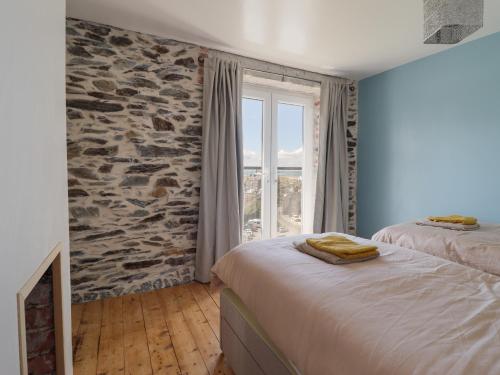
(429, 138)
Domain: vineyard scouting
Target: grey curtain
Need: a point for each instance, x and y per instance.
(221, 193)
(332, 188)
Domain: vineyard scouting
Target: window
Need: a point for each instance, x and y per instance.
(278, 161)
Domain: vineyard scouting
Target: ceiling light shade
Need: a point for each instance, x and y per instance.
(450, 21)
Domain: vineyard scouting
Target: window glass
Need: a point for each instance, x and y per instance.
(252, 111)
(289, 174)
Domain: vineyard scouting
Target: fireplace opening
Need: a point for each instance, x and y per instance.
(40, 320)
(40, 328)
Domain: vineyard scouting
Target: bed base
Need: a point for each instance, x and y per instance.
(247, 348)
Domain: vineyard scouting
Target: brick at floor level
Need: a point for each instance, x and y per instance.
(42, 364)
(39, 317)
(39, 341)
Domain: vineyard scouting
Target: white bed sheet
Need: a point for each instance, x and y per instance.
(478, 248)
(403, 313)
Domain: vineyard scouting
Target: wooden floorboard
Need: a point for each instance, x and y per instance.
(214, 293)
(173, 331)
(208, 306)
(111, 359)
(135, 340)
(76, 318)
(204, 337)
(161, 350)
(187, 352)
(87, 341)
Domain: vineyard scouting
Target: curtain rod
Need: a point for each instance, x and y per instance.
(282, 75)
(250, 61)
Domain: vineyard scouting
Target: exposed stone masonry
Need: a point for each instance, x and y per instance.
(134, 158)
(352, 146)
(134, 148)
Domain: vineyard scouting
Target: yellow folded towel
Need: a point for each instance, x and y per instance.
(366, 254)
(342, 247)
(455, 219)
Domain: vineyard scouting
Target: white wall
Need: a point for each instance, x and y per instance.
(33, 186)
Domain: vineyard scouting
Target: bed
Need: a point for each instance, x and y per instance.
(405, 312)
(478, 249)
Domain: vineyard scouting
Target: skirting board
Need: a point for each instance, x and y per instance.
(54, 260)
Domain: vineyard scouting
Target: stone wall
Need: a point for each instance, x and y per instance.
(134, 145)
(352, 154)
(134, 157)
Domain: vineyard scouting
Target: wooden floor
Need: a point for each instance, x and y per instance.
(169, 331)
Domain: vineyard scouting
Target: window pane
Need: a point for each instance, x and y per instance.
(290, 160)
(252, 112)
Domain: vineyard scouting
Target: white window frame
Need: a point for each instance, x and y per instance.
(256, 92)
(271, 97)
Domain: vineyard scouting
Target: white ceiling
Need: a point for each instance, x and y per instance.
(350, 38)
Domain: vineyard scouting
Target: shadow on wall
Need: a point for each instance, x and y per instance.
(153, 19)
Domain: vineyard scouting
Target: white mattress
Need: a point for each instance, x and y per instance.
(403, 313)
(478, 249)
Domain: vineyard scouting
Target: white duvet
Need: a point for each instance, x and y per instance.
(405, 312)
(476, 248)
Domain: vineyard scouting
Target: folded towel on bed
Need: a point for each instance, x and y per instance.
(452, 226)
(454, 219)
(341, 247)
(328, 257)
